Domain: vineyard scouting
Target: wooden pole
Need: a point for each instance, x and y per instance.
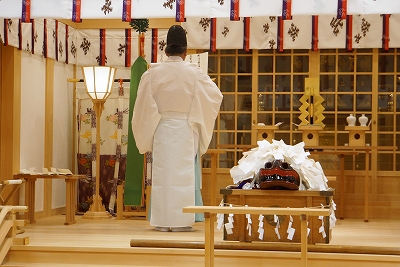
(304, 242)
(341, 184)
(366, 186)
(209, 239)
(97, 209)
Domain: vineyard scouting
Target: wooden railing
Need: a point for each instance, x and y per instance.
(9, 227)
(211, 211)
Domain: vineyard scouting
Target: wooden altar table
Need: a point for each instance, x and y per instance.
(70, 206)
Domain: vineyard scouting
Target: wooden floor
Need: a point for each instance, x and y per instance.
(110, 237)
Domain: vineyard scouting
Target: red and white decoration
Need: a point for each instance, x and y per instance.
(263, 24)
(120, 9)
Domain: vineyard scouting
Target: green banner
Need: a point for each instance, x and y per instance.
(135, 161)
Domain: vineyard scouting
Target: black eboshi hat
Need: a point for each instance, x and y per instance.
(176, 36)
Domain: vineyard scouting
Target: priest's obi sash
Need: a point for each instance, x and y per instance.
(174, 115)
(277, 198)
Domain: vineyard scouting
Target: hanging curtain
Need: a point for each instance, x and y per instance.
(113, 139)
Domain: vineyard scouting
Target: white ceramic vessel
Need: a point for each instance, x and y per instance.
(363, 120)
(351, 120)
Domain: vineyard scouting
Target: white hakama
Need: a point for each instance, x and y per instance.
(174, 167)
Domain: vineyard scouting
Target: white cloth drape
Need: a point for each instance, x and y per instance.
(82, 47)
(104, 9)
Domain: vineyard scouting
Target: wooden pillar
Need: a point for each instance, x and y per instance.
(48, 134)
(10, 112)
(74, 127)
(304, 240)
(209, 239)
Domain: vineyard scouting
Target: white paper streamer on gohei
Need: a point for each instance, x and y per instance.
(277, 226)
(290, 230)
(220, 217)
(249, 222)
(322, 227)
(261, 227)
(332, 216)
(229, 224)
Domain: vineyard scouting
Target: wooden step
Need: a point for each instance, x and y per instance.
(178, 257)
(108, 243)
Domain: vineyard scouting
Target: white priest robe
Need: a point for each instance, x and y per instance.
(174, 116)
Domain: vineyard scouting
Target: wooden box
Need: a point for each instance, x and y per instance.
(277, 198)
